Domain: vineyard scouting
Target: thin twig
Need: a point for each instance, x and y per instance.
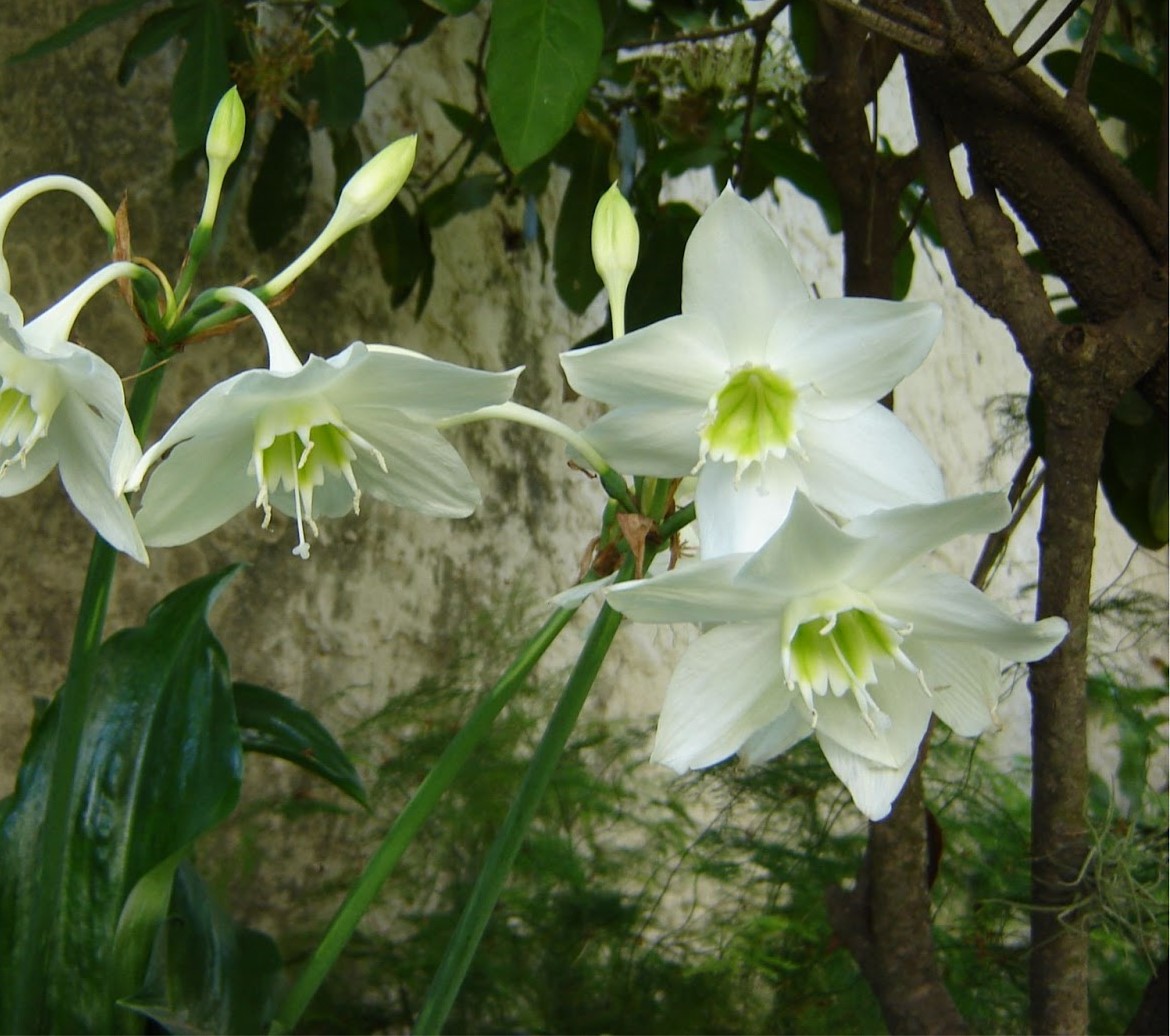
(1021, 495)
(1042, 40)
(752, 88)
(1079, 90)
(1026, 20)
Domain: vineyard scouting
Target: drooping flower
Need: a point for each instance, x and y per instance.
(761, 389)
(836, 632)
(62, 406)
(309, 439)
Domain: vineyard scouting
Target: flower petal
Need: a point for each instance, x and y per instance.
(808, 554)
(964, 682)
(204, 482)
(946, 607)
(649, 440)
(787, 729)
(867, 462)
(86, 443)
(703, 592)
(851, 351)
(896, 537)
(739, 519)
(874, 787)
(39, 461)
(888, 742)
(738, 274)
(726, 687)
(678, 360)
(418, 385)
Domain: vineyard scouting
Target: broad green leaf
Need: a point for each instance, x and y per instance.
(207, 973)
(403, 244)
(281, 190)
(276, 725)
(542, 60)
(1133, 470)
(337, 84)
(374, 21)
(577, 280)
(152, 35)
(160, 763)
(92, 18)
(1116, 90)
(202, 77)
(806, 32)
(655, 291)
(466, 194)
(805, 172)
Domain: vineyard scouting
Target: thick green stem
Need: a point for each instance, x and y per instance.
(465, 941)
(402, 832)
(72, 700)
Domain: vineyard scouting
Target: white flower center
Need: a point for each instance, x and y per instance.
(836, 645)
(753, 416)
(27, 406)
(299, 458)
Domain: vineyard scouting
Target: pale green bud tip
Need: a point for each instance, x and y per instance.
(226, 135)
(374, 186)
(615, 237)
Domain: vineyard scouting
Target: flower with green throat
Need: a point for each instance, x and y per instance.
(838, 633)
(310, 439)
(762, 390)
(62, 406)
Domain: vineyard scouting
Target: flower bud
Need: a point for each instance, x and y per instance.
(225, 137)
(615, 250)
(374, 186)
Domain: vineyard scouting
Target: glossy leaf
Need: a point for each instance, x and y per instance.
(152, 35)
(281, 190)
(542, 60)
(160, 763)
(207, 973)
(374, 22)
(275, 725)
(336, 84)
(577, 280)
(91, 18)
(202, 77)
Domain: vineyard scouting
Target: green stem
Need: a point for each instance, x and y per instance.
(461, 949)
(410, 820)
(73, 698)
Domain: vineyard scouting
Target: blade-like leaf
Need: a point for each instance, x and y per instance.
(576, 278)
(337, 84)
(153, 34)
(202, 77)
(374, 21)
(466, 194)
(542, 60)
(276, 725)
(208, 974)
(160, 763)
(281, 190)
(403, 244)
(92, 18)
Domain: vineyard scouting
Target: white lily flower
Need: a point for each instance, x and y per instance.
(836, 632)
(309, 439)
(761, 389)
(62, 406)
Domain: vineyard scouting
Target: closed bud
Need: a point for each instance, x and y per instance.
(374, 186)
(225, 137)
(615, 250)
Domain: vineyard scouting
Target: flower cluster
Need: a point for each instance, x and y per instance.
(815, 505)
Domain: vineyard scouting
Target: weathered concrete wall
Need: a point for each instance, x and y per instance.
(372, 611)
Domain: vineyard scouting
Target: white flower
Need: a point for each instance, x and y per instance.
(310, 439)
(762, 389)
(62, 406)
(832, 631)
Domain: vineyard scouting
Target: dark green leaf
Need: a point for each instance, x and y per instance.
(577, 280)
(160, 763)
(207, 973)
(153, 34)
(374, 22)
(202, 77)
(276, 725)
(805, 172)
(347, 158)
(1116, 89)
(806, 32)
(92, 18)
(464, 121)
(542, 60)
(403, 244)
(281, 190)
(337, 84)
(1133, 470)
(903, 271)
(463, 195)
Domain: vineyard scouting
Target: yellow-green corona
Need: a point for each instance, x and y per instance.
(752, 417)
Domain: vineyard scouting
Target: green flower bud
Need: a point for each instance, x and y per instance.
(615, 250)
(225, 137)
(374, 186)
